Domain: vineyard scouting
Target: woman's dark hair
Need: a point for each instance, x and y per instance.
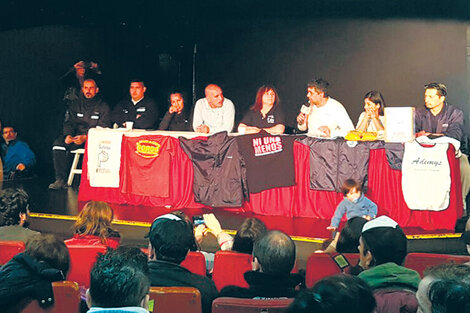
(258, 105)
(250, 230)
(350, 234)
(376, 97)
(95, 219)
(335, 294)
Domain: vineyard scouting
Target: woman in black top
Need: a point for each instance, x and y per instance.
(265, 114)
(176, 118)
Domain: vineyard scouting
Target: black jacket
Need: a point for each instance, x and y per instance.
(176, 122)
(219, 170)
(264, 285)
(166, 274)
(126, 111)
(25, 277)
(449, 121)
(83, 114)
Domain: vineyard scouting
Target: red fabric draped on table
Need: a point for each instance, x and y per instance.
(384, 189)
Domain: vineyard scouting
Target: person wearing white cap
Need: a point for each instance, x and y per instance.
(382, 251)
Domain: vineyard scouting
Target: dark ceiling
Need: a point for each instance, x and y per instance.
(191, 14)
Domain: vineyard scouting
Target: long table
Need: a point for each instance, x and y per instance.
(384, 188)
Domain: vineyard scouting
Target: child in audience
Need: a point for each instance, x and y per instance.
(93, 226)
(354, 204)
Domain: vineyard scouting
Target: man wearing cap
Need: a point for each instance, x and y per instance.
(170, 240)
(382, 251)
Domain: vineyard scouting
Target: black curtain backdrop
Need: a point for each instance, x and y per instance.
(394, 56)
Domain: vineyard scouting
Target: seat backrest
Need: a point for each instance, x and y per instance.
(420, 261)
(238, 305)
(195, 262)
(174, 300)
(9, 249)
(66, 299)
(82, 259)
(393, 300)
(229, 268)
(319, 265)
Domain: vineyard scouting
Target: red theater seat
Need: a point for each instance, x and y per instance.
(82, 259)
(420, 261)
(195, 262)
(319, 265)
(237, 305)
(174, 300)
(229, 268)
(9, 249)
(66, 299)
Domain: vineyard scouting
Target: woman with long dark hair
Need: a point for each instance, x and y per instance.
(266, 114)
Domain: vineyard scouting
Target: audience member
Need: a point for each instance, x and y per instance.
(265, 114)
(29, 275)
(93, 226)
(214, 113)
(170, 240)
(14, 213)
(347, 240)
(445, 288)
(138, 109)
(372, 119)
(382, 251)
(273, 260)
(119, 282)
(438, 118)
(335, 294)
(325, 117)
(86, 112)
(17, 156)
(177, 116)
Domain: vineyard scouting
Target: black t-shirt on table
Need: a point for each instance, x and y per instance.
(269, 160)
(273, 117)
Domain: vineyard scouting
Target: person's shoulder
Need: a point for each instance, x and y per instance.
(334, 102)
(453, 108)
(235, 292)
(227, 101)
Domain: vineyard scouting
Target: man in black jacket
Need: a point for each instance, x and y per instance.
(273, 260)
(138, 109)
(170, 240)
(86, 112)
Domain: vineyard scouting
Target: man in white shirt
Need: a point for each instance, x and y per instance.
(214, 113)
(325, 117)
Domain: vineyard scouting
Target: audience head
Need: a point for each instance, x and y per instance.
(250, 230)
(434, 95)
(445, 288)
(9, 133)
(335, 294)
(374, 98)
(266, 95)
(47, 248)
(274, 253)
(187, 219)
(170, 239)
(382, 241)
(118, 279)
(137, 89)
(14, 207)
(95, 219)
(317, 90)
(89, 88)
(214, 96)
(349, 237)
